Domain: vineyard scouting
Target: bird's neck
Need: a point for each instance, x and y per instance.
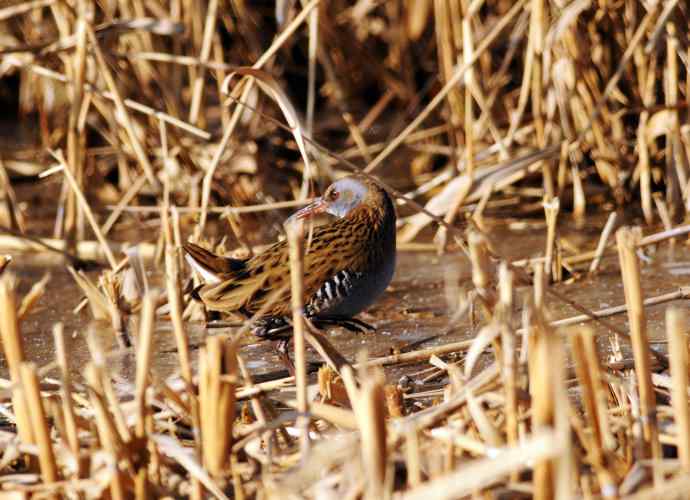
(378, 223)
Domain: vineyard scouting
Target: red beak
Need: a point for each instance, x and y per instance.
(318, 206)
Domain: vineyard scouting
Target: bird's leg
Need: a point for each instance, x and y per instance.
(351, 324)
(283, 348)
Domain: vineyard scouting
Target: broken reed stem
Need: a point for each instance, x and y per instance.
(66, 393)
(594, 396)
(107, 433)
(217, 372)
(13, 347)
(172, 285)
(295, 234)
(33, 296)
(627, 240)
(412, 457)
(543, 353)
(565, 466)
(146, 327)
(370, 412)
(481, 270)
(172, 273)
(551, 209)
(509, 361)
(41, 431)
(676, 328)
(603, 239)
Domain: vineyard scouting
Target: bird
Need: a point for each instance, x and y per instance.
(348, 263)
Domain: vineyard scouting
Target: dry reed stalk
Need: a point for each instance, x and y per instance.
(664, 214)
(408, 357)
(198, 83)
(551, 209)
(449, 86)
(628, 240)
(653, 239)
(644, 163)
(481, 274)
(13, 348)
(394, 401)
(566, 465)
(311, 69)
(104, 385)
(509, 361)
(469, 80)
(676, 327)
(32, 297)
(594, 395)
(144, 341)
(122, 113)
(68, 412)
(543, 379)
(413, 457)
(483, 473)
(603, 239)
(4, 262)
(237, 113)
(295, 234)
(356, 135)
(539, 285)
(124, 202)
(129, 103)
(370, 412)
(86, 250)
(320, 343)
(256, 405)
(74, 185)
(248, 209)
(579, 197)
(217, 371)
(41, 431)
(107, 433)
(175, 303)
(76, 139)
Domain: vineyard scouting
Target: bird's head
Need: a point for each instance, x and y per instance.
(340, 199)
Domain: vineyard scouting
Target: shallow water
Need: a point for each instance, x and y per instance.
(414, 307)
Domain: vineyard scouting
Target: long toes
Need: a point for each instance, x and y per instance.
(271, 328)
(363, 324)
(350, 324)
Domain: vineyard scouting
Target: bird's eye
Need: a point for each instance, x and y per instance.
(333, 195)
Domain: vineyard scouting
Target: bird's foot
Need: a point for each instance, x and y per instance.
(272, 328)
(352, 324)
(279, 329)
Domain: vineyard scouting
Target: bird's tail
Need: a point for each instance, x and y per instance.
(212, 267)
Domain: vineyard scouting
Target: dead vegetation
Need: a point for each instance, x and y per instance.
(154, 122)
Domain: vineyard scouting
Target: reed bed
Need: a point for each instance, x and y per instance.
(147, 124)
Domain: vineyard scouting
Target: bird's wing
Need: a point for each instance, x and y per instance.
(266, 278)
